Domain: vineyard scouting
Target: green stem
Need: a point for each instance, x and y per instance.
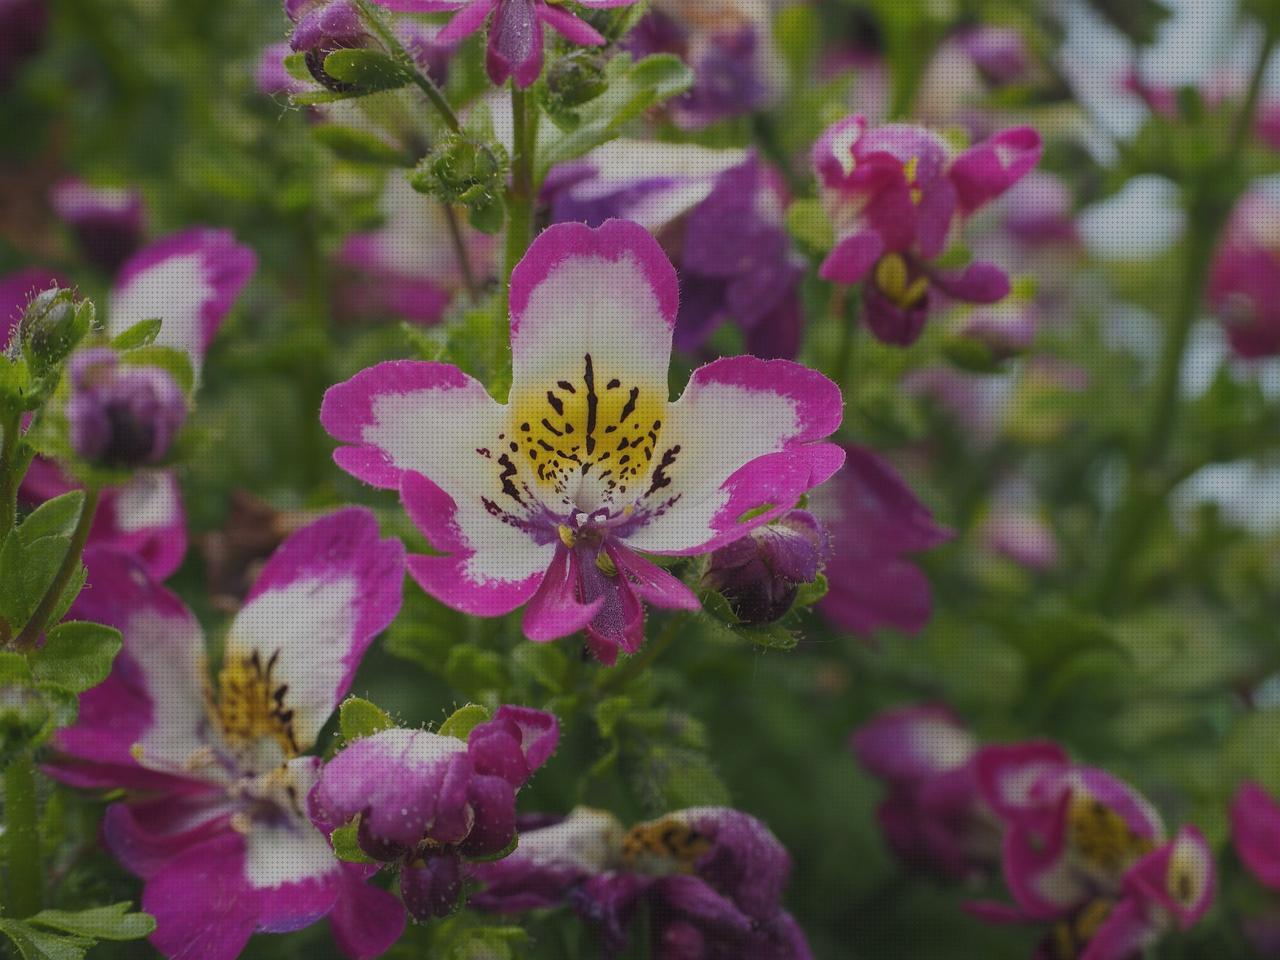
(460, 250)
(30, 635)
(1207, 214)
(849, 320)
(520, 196)
(402, 56)
(22, 839)
(621, 677)
(9, 474)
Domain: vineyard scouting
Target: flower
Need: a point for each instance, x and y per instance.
(893, 194)
(122, 416)
(425, 800)
(189, 280)
(729, 45)
(875, 521)
(515, 30)
(217, 772)
(1015, 527)
(322, 27)
(761, 573)
(409, 266)
(1244, 279)
(1085, 854)
(933, 816)
(107, 221)
(23, 24)
(713, 878)
(547, 500)
(719, 215)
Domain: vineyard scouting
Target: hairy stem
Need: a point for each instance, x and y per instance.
(22, 839)
(621, 677)
(460, 250)
(402, 56)
(30, 635)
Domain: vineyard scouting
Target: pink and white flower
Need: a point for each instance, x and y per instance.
(893, 194)
(549, 500)
(515, 29)
(217, 824)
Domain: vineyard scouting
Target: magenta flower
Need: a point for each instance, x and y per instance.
(1244, 281)
(188, 280)
(893, 194)
(122, 416)
(712, 878)
(875, 522)
(719, 213)
(107, 221)
(425, 800)
(932, 817)
(761, 573)
(216, 772)
(549, 500)
(515, 30)
(1086, 854)
(1255, 834)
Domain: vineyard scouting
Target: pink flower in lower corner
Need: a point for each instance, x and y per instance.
(893, 194)
(548, 501)
(515, 29)
(215, 821)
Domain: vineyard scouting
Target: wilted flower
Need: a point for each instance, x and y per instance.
(875, 521)
(729, 45)
(107, 221)
(893, 194)
(761, 573)
(933, 816)
(122, 416)
(1244, 281)
(216, 825)
(1085, 854)
(426, 800)
(713, 878)
(23, 24)
(547, 501)
(515, 29)
(719, 215)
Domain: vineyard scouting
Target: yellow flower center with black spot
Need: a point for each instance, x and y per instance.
(661, 845)
(1104, 838)
(250, 704)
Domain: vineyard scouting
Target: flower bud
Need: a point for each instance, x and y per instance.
(461, 169)
(323, 27)
(54, 322)
(107, 221)
(761, 573)
(574, 80)
(431, 884)
(122, 416)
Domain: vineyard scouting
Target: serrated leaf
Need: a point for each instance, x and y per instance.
(77, 655)
(633, 88)
(359, 718)
(53, 518)
(370, 71)
(359, 146)
(462, 721)
(141, 334)
(115, 922)
(346, 844)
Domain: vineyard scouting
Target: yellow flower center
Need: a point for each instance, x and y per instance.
(661, 845)
(894, 280)
(1103, 837)
(250, 704)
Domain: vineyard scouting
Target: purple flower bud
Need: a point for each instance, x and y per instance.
(430, 886)
(323, 27)
(107, 221)
(761, 573)
(22, 29)
(999, 53)
(122, 416)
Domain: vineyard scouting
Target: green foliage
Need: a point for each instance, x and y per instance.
(76, 655)
(66, 935)
(359, 718)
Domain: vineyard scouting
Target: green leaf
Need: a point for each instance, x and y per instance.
(369, 71)
(808, 223)
(674, 778)
(770, 636)
(811, 593)
(53, 518)
(475, 671)
(544, 663)
(27, 570)
(609, 713)
(14, 669)
(175, 362)
(141, 334)
(77, 655)
(346, 846)
(359, 146)
(295, 64)
(633, 88)
(62, 705)
(463, 720)
(359, 718)
(102, 923)
(33, 944)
